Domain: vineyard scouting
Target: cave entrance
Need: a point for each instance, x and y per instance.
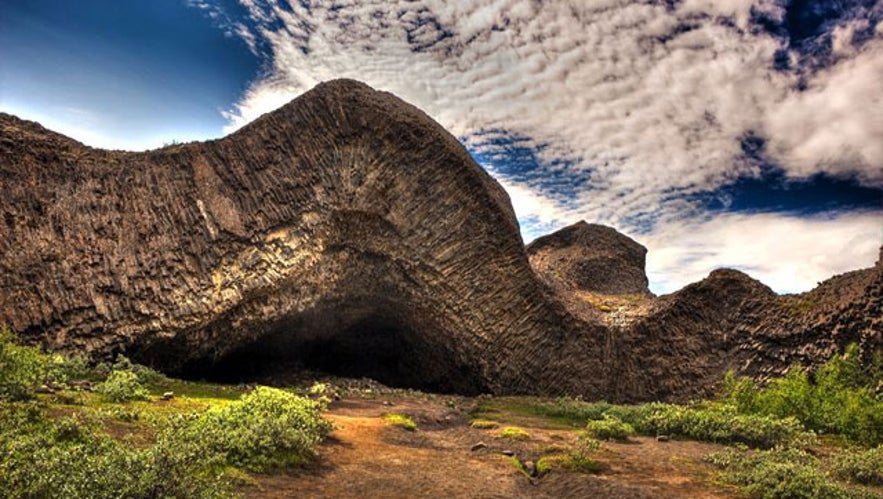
(349, 343)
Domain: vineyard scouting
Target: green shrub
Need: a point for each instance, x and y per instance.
(778, 474)
(513, 433)
(71, 458)
(122, 386)
(837, 399)
(723, 424)
(22, 368)
(862, 467)
(268, 428)
(609, 428)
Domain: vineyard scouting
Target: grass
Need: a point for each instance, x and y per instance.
(513, 433)
(401, 421)
(484, 424)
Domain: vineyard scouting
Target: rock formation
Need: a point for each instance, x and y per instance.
(589, 257)
(345, 231)
(348, 232)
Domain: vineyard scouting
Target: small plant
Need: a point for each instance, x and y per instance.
(514, 433)
(484, 424)
(123, 386)
(576, 458)
(610, 428)
(864, 467)
(401, 421)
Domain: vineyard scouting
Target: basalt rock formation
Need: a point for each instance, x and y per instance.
(350, 233)
(346, 231)
(590, 257)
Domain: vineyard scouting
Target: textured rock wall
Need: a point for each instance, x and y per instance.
(345, 212)
(349, 232)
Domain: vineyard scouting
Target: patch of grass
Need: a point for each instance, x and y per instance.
(865, 467)
(513, 433)
(576, 458)
(484, 424)
(610, 428)
(401, 421)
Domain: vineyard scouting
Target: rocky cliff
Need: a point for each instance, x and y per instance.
(348, 232)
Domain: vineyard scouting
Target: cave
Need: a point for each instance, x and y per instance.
(348, 340)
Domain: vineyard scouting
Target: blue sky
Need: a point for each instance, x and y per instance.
(130, 74)
(740, 133)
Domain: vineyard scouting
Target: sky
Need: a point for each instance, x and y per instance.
(718, 133)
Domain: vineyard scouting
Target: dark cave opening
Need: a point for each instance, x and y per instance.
(378, 346)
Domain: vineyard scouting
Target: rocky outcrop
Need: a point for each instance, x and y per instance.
(590, 257)
(348, 232)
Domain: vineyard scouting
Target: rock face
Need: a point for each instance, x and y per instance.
(590, 257)
(348, 232)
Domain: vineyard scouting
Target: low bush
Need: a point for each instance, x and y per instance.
(401, 421)
(123, 386)
(723, 424)
(268, 428)
(779, 474)
(610, 428)
(864, 467)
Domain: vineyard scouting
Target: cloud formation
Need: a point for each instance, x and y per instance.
(645, 103)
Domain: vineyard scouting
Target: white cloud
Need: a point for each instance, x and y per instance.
(787, 253)
(653, 100)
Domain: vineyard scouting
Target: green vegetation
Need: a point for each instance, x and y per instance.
(864, 467)
(577, 458)
(22, 368)
(114, 443)
(610, 428)
(123, 386)
(401, 421)
(838, 399)
(513, 433)
(484, 424)
(781, 473)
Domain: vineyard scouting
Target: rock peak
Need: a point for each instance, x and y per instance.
(590, 257)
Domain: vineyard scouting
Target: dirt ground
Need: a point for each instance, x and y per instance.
(365, 458)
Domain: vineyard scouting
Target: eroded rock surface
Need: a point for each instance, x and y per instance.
(348, 232)
(590, 257)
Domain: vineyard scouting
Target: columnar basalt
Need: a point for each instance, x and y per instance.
(348, 232)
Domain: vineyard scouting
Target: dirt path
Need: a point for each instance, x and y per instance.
(365, 457)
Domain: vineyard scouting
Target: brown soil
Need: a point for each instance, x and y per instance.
(365, 457)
